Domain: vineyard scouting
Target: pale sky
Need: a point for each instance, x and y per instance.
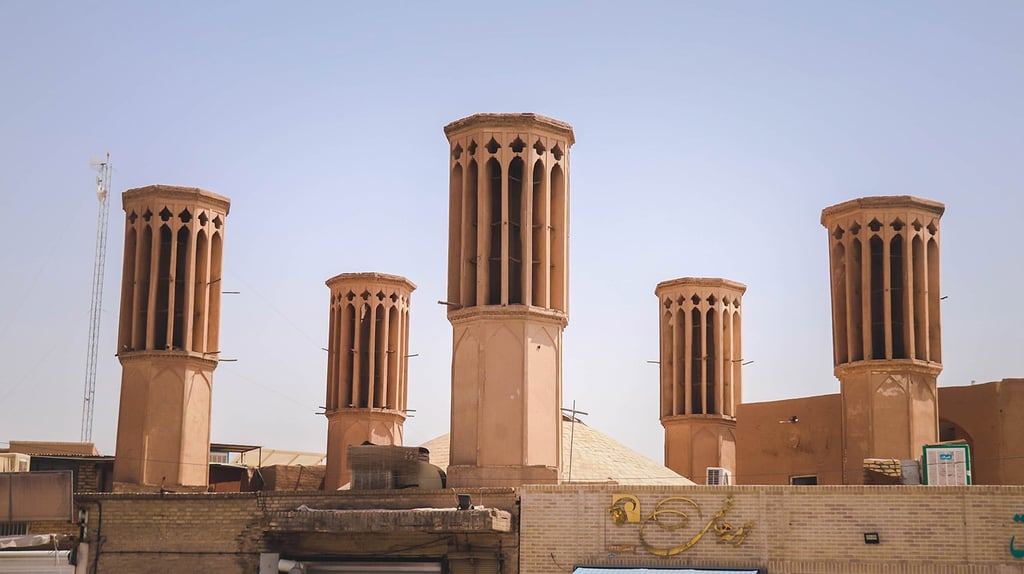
(710, 135)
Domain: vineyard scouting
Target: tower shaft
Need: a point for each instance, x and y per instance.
(168, 336)
(887, 343)
(701, 372)
(367, 366)
(507, 295)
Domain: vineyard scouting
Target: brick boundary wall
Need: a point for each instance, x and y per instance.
(226, 532)
(797, 530)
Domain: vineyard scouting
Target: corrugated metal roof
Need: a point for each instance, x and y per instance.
(54, 448)
(273, 456)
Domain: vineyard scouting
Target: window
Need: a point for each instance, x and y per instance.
(13, 528)
(806, 480)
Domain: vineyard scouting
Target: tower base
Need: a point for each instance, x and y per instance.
(348, 427)
(890, 410)
(163, 426)
(506, 396)
(500, 476)
(695, 442)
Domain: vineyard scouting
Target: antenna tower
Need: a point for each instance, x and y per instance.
(95, 307)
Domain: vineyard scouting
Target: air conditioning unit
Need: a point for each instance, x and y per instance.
(14, 462)
(718, 476)
(219, 457)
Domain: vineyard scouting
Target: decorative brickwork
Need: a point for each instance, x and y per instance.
(794, 530)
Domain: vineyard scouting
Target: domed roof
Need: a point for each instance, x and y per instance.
(596, 457)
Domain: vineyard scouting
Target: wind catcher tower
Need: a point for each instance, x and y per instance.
(508, 286)
(701, 373)
(887, 337)
(168, 336)
(367, 366)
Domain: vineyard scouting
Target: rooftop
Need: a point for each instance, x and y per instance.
(596, 458)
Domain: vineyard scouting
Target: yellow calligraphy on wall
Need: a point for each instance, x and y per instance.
(673, 513)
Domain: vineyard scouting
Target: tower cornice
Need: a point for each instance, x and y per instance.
(881, 202)
(372, 277)
(510, 120)
(929, 368)
(705, 282)
(207, 360)
(508, 312)
(176, 192)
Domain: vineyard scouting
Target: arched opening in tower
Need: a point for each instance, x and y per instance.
(332, 356)
(144, 271)
(856, 294)
(737, 350)
(213, 316)
(897, 292)
(934, 326)
(494, 238)
(393, 357)
(839, 302)
(364, 352)
(539, 264)
(403, 356)
(515, 232)
(181, 259)
(710, 363)
(124, 339)
(668, 393)
(202, 290)
(455, 232)
(558, 239)
(470, 256)
(163, 289)
(346, 355)
(680, 380)
(920, 301)
(877, 299)
(729, 364)
(696, 362)
(380, 333)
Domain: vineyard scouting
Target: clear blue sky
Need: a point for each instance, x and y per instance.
(709, 137)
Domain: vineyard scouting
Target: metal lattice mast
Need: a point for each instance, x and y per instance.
(96, 306)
